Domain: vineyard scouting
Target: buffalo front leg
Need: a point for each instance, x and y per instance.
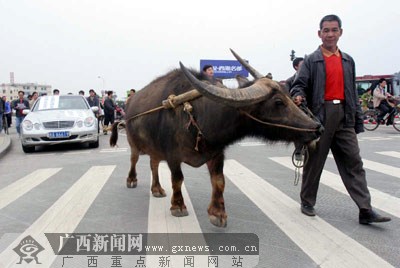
(156, 188)
(131, 181)
(178, 207)
(216, 209)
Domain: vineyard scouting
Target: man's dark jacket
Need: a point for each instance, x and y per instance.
(109, 107)
(310, 83)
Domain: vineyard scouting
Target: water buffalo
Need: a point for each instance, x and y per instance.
(220, 117)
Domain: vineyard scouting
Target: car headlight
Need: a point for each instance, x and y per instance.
(27, 125)
(89, 121)
(79, 123)
(36, 126)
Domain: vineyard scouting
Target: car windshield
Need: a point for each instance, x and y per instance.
(60, 103)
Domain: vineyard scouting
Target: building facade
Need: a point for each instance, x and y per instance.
(11, 90)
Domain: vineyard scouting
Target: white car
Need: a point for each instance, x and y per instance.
(57, 120)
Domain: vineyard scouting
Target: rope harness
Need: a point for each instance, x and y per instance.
(173, 101)
(300, 157)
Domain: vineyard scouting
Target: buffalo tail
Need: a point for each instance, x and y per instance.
(114, 133)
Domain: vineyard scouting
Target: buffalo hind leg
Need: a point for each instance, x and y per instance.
(156, 188)
(178, 208)
(131, 181)
(216, 209)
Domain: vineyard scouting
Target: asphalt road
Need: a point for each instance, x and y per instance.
(73, 189)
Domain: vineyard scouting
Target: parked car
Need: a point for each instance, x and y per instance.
(57, 120)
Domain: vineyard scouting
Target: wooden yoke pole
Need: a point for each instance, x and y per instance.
(174, 101)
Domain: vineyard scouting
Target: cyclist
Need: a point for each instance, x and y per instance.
(381, 102)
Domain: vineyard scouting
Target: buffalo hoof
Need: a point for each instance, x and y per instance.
(219, 222)
(179, 212)
(131, 184)
(159, 194)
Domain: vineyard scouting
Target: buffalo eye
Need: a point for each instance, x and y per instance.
(278, 102)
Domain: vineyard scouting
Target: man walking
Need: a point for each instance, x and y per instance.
(19, 105)
(109, 111)
(326, 81)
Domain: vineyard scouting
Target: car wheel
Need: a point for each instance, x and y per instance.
(28, 149)
(94, 144)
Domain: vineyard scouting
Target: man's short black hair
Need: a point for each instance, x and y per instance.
(330, 18)
(21, 91)
(109, 92)
(296, 62)
(91, 90)
(82, 92)
(381, 80)
(206, 67)
(133, 90)
(56, 90)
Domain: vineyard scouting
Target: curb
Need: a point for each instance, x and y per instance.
(5, 146)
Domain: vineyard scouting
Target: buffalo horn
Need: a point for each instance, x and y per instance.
(247, 66)
(237, 97)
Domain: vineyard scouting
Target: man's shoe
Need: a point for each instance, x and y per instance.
(308, 210)
(370, 216)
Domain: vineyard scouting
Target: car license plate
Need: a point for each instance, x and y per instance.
(59, 134)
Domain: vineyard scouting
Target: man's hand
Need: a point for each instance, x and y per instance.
(298, 100)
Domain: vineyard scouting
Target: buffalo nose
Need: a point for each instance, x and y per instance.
(321, 129)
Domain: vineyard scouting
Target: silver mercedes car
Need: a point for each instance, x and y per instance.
(59, 119)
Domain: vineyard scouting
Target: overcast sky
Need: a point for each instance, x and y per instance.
(70, 43)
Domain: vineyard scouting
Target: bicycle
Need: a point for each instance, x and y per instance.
(371, 119)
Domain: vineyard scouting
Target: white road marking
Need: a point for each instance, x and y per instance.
(379, 167)
(114, 150)
(327, 246)
(160, 219)
(390, 153)
(17, 189)
(78, 152)
(62, 217)
(380, 200)
(255, 143)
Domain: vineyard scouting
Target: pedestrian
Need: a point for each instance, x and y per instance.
(366, 99)
(56, 92)
(208, 74)
(297, 62)
(35, 95)
(94, 101)
(326, 81)
(109, 111)
(2, 110)
(19, 105)
(7, 110)
(131, 94)
(81, 92)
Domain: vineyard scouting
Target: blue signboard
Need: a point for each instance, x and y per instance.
(225, 68)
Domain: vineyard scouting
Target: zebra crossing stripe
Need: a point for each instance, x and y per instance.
(62, 217)
(390, 153)
(380, 200)
(326, 245)
(379, 167)
(112, 150)
(17, 189)
(160, 219)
